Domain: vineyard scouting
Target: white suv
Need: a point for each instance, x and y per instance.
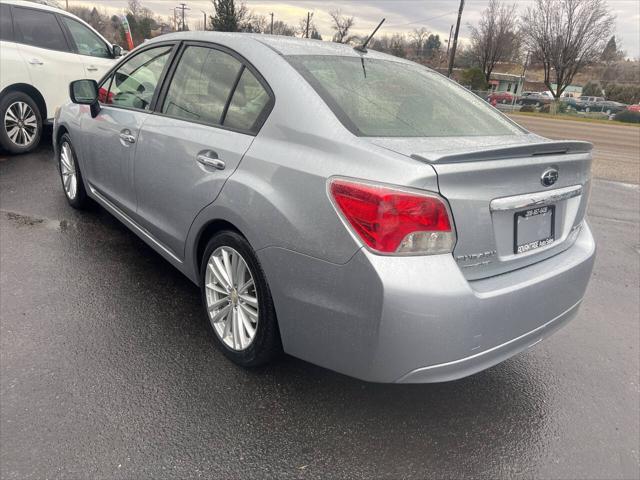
(42, 50)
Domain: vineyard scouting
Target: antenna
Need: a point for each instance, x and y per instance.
(363, 48)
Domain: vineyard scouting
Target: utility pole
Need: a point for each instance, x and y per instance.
(449, 42)
(271, 23)
(455, 40)
(205, 19)
(67, 5)
(308, 21)
(183, 7)
(524, 70)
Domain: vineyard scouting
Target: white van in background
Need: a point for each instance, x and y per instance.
(42, 50)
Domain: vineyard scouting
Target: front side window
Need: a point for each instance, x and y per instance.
(39, 29)
(248, 102)
(384, 98)
(135, 82)
(87, 42)
(201, 85)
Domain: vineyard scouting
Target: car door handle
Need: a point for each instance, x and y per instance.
(36, 61)
(92, 68)
(210, 158)
(126, 137)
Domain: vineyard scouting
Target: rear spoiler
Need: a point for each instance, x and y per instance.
(501, 153)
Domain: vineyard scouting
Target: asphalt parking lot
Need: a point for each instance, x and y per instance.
(107, 371)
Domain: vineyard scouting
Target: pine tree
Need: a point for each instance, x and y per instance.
(610, 52)
(226, 17)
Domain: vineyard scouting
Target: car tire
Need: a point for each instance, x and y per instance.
(70, 175)
(246, 309)
(20, 123)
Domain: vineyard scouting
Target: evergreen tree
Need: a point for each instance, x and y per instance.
(474, 78)
(592, 89)
(432, 46)
(610, 52)
(226, 17)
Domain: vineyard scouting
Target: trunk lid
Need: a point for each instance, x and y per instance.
(505, 216)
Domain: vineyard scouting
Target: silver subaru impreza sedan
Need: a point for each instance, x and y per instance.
(350, 208)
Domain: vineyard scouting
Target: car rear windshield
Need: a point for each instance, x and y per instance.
(384, 98)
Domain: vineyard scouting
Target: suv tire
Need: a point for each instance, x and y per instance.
(20, 123)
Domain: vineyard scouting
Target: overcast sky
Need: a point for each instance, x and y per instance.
(402, 15)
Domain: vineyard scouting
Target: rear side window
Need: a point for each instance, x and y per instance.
(202, 84)
(39, 29)
(248, 102)
(135, 82)
(384, 98)
(6, 29)
(87, 42)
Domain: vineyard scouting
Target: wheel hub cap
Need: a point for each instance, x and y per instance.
(231, 298)
(20, 124)
(68, 171)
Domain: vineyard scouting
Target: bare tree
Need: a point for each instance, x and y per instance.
(418, 38)
(495, 38)
(282, 28)
(306, 25)
(566, 35)
(341, 25)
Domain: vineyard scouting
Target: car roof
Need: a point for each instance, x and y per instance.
(39, 6)
(280, 44)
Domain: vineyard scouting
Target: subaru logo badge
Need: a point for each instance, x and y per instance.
(549, 177)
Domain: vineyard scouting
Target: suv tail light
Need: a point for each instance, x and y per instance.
(394, 221)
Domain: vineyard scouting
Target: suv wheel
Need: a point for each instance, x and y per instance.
(238, 302)
(21, 126)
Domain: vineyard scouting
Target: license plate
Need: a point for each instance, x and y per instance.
(534, 228)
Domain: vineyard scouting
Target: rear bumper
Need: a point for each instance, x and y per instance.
(464, 367)
(417, 319)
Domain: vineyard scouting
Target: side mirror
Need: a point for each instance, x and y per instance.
(116, 50)
(85, 92)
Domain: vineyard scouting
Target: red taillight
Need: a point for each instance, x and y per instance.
(390, 220)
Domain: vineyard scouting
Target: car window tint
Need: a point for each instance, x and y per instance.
(386, 98)
(201, 85)
(38, 28)
(87, 42)
(6, 29)
(135, 82)
(249, 100)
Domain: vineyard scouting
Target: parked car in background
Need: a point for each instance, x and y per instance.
(42, 50)
(537, 99)
(501, 97)
(634, 108)
(587, 103)
(570, 102)
(609, 107)
(405, 233)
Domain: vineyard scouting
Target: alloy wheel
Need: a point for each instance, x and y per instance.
(231, 297)
(20, 123)
(68, 171)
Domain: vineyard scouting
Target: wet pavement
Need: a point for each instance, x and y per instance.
(107, 371)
